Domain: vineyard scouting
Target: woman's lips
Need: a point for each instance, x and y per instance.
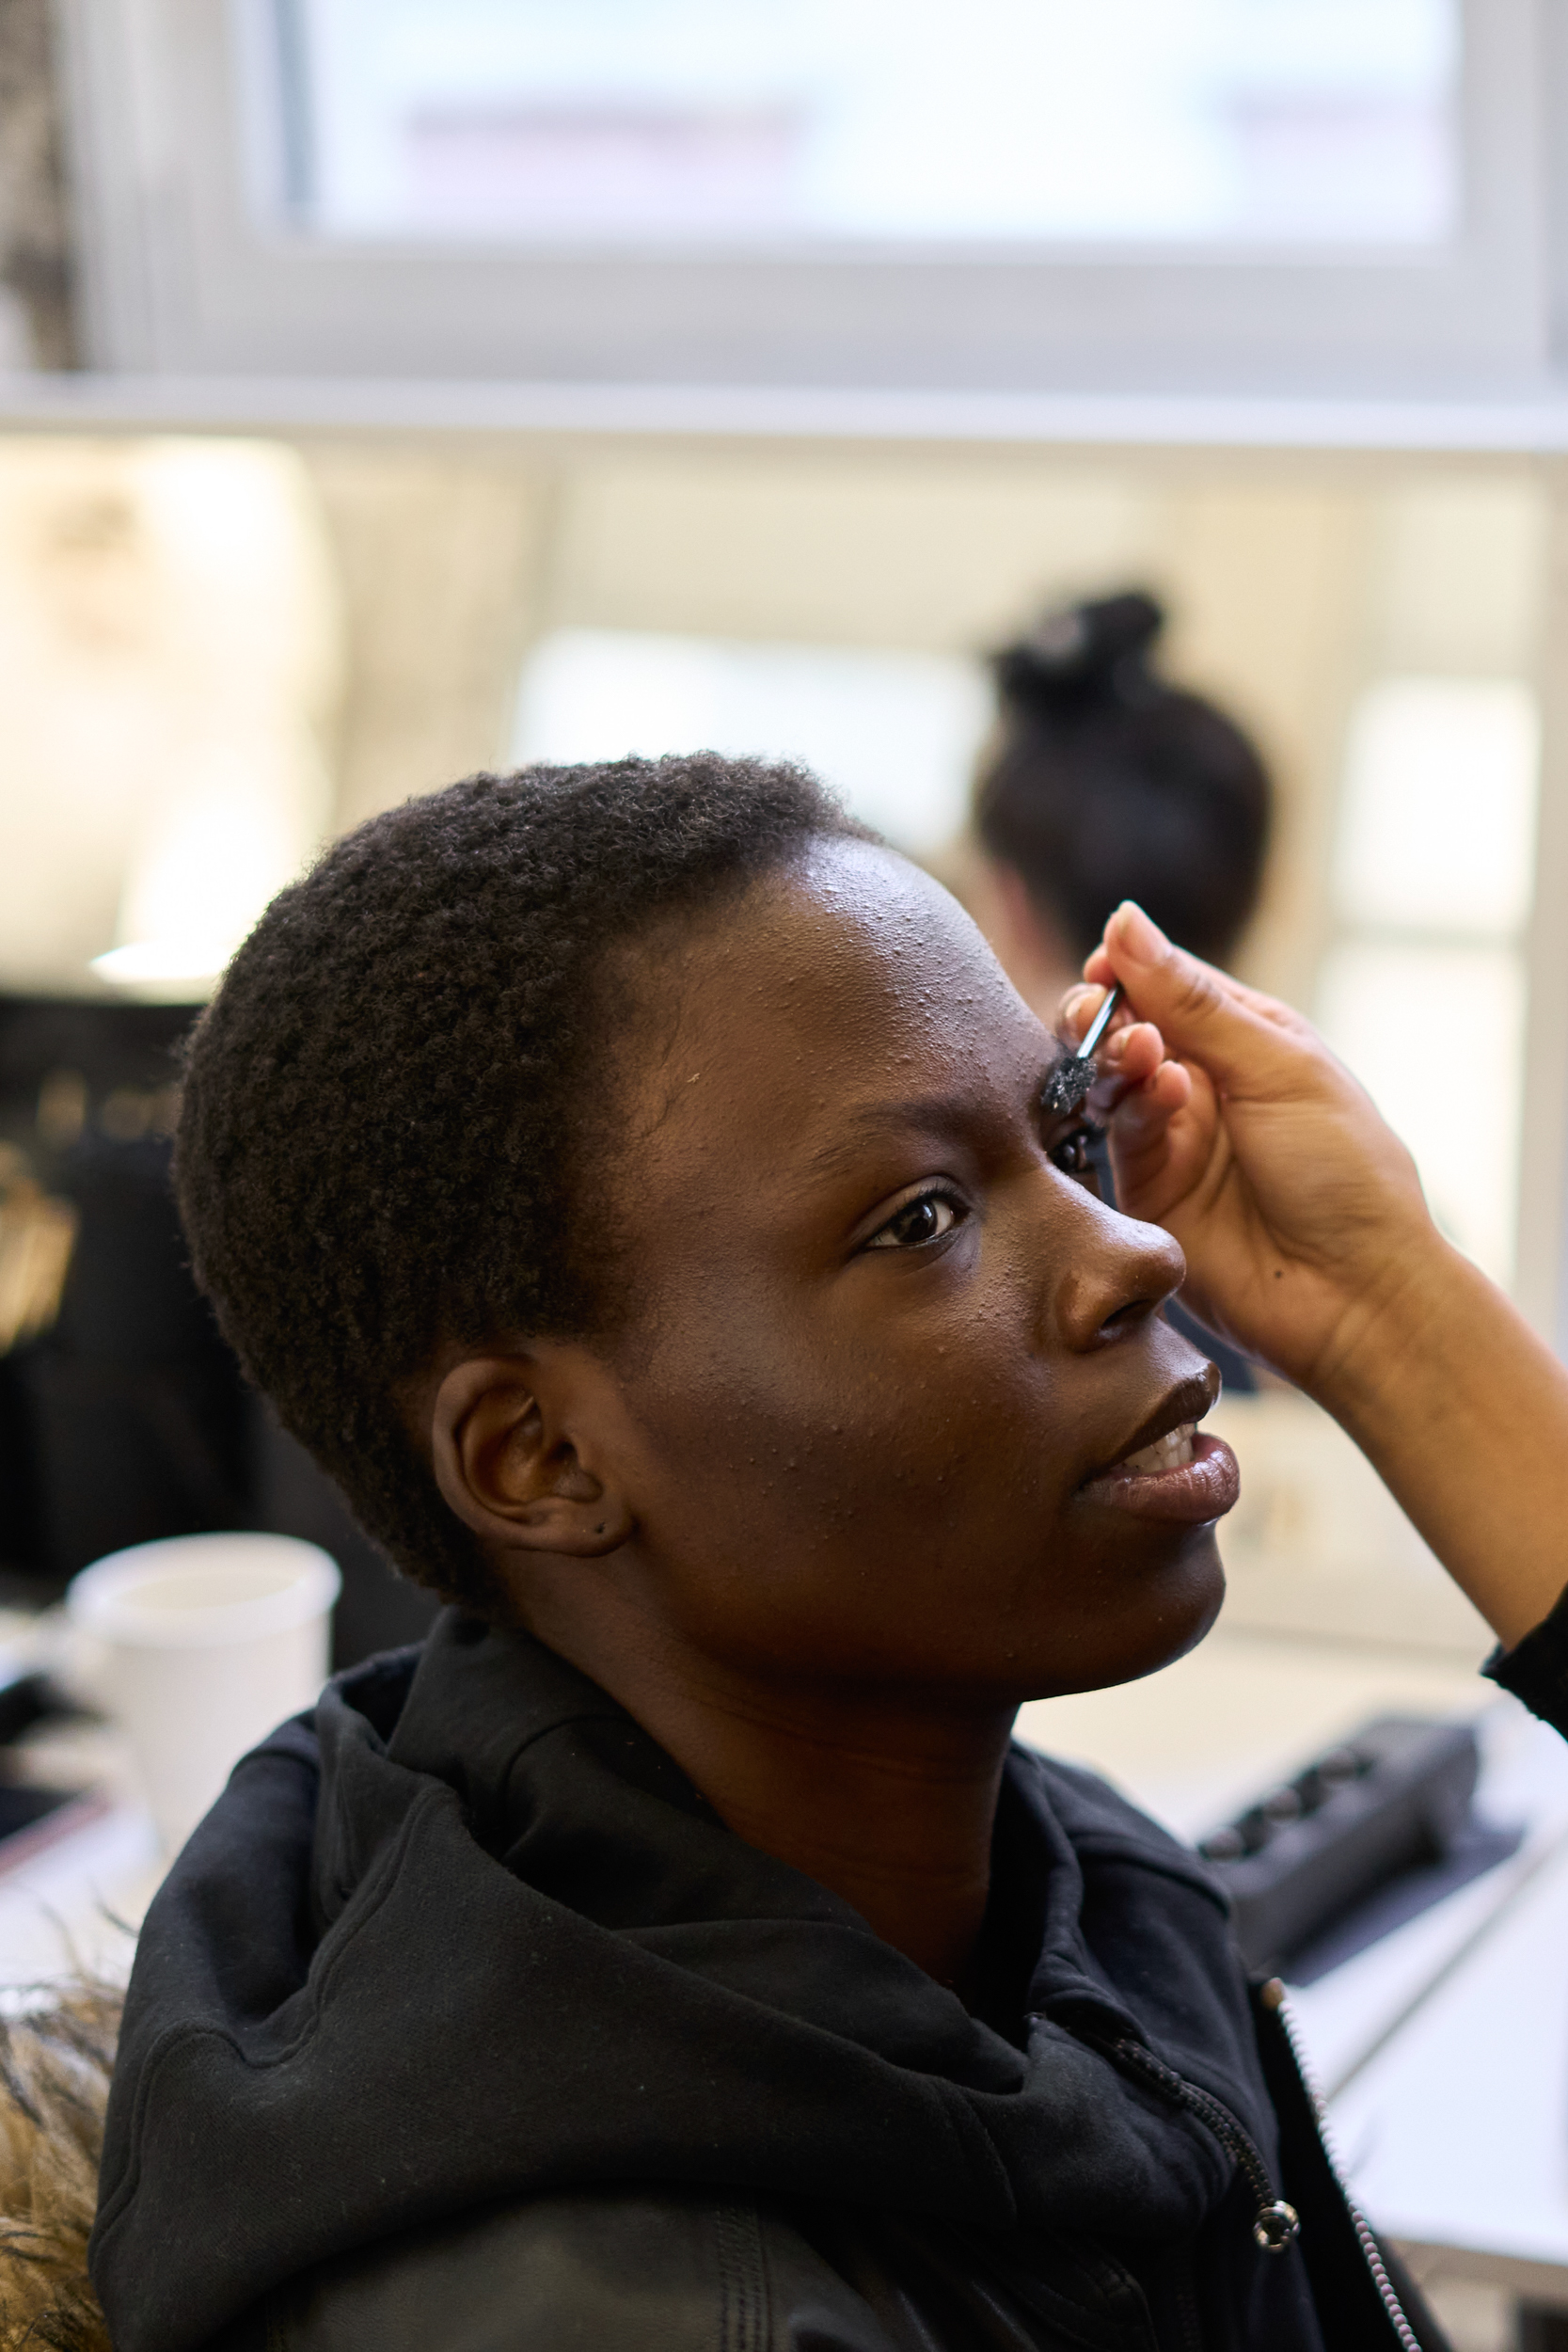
(1185, 1475)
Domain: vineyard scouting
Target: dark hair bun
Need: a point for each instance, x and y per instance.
(1095, 651)
(1108, 782)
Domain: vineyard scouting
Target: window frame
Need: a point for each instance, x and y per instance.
(182, 272)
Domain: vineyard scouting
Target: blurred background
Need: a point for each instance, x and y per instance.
(394, 387)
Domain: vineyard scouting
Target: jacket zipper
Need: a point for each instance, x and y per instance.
(1275, 2224)
(1272, 1996)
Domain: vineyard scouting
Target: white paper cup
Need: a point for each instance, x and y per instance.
(199, 1646)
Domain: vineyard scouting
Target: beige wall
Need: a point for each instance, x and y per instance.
(441, 559)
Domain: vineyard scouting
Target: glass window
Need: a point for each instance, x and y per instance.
(1437, 829)
(1422, 992)
(1259, 123)
(1436, 1035)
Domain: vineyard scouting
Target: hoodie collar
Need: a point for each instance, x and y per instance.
(468, 1934)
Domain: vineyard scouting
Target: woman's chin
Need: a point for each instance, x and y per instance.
(1159, 1622)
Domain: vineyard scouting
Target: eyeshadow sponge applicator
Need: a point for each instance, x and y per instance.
(1068, 1087)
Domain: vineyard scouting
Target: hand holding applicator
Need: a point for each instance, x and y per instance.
(1068, 1087)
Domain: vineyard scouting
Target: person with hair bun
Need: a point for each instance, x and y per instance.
(1107, 783)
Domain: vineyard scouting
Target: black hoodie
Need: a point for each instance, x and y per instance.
(466, 1945)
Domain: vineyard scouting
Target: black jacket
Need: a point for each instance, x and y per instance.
(463, 2025)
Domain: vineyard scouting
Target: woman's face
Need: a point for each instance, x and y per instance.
(889, 1346)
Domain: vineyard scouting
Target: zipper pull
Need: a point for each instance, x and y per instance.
(1274, 2226)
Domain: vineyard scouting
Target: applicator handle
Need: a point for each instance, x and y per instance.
(1098, 1026)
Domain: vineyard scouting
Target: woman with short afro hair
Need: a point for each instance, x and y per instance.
(644, 1192)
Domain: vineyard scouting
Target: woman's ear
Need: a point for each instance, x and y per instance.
(510, 1468)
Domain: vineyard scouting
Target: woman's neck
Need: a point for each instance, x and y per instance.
(900, 1827)
(887, 1802)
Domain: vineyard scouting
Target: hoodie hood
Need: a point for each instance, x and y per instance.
(467, 1934)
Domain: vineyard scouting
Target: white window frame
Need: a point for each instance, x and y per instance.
(184, 274)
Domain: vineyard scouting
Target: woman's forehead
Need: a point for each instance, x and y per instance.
(853, 920)
(843, 977)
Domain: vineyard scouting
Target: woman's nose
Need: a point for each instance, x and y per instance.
(1117, 1273)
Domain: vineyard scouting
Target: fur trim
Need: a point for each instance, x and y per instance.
(54, 2066)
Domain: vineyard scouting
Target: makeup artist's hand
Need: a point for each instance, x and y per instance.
(1310, 1243)
(1235, 1128)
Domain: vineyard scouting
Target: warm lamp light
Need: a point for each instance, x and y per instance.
(163, 962)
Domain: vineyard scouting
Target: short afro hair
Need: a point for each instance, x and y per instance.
(380, 1140)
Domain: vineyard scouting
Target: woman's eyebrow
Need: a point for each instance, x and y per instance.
(923, 1114)
(916, 1114)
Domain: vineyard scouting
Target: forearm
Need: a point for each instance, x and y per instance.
(1463, 1412)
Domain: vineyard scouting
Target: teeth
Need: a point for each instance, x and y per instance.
(1172, 1451)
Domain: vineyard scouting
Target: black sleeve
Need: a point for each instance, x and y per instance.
(1536, 1668)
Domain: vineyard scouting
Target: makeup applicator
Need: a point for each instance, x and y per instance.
(1067, 1089)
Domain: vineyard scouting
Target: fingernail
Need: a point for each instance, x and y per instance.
(1135, 932)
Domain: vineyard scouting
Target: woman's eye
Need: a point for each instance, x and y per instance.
(924, 1219)
(1075, 1154)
